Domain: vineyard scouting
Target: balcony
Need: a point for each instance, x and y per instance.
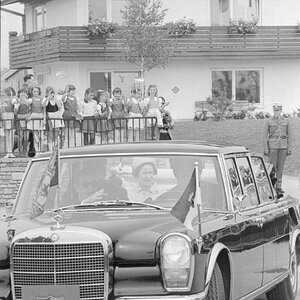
(73, 44)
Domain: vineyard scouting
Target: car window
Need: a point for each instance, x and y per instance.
(234, 180)
(247, 181)
(263, 185)
(158, 179)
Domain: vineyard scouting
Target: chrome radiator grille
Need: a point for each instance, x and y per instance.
(60, 264)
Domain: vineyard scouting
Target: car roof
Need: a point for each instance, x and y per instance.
(175, 146)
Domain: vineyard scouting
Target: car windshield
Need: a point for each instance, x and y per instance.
(157, 180)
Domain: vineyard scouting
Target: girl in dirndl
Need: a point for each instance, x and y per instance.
(37, 117)
(152, 103)
(23, 109)
(8, 115)
(103, 122)
(71, 117)
(88, 111)
(135, 121)
(54, 122)
(118, 115)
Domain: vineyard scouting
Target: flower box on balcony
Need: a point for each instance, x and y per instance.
(101, 28)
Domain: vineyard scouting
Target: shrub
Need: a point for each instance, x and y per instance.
(101, 27)
(180, 28)
(241, 26)
(219, 103)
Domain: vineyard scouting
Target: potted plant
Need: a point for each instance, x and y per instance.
(241, 26)
(101, 27)
(181, 27)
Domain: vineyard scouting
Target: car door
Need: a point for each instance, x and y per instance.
(277, 251)
(248, 263)
(269, 213)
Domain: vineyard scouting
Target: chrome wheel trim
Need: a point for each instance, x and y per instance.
(293, 273)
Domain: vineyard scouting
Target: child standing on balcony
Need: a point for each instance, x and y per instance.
(37, 116)
(118, 115)
(103, 124)
(8, 115)
(54, 116)
(88, 111)
(23, 109)
(135, 121)
(71, 117)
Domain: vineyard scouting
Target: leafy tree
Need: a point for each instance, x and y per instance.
(144, 42)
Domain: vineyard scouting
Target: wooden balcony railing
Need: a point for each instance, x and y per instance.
(73, 44)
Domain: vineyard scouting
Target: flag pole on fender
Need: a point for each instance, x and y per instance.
(56, 178)
(50, 177)
(198, 201)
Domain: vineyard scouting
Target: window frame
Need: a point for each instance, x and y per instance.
(43, 16)
(233, 70)
(268, 178)
(248, 158)
(231, 12)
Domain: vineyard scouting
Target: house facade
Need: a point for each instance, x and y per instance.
(262, 68)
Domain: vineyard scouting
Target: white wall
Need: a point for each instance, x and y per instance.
(280, 12)
(75, 12)
(280, 80)
(63, 13)
(198, 10)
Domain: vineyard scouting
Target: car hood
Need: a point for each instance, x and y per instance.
(134, 234)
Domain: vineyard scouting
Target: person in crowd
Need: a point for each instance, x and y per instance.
(7, 113)
(29, 79)
(152, 103)
(277, 142)
(103, 124)
(168, 123)
(23, 109)
(88, 110)
(135, 121)
(71, 116)
(37, 116)
(145, 189)
(118, 115)
(54, 123)
(28, 82)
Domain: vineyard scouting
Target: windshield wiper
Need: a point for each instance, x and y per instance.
(112, 203)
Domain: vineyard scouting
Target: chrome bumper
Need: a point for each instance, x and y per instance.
(199, 296)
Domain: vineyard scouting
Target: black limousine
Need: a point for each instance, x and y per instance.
(157, 220)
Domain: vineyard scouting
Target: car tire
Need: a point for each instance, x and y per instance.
(216, 290)
(287, 289)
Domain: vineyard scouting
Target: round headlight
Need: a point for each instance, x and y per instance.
(176, 262)
(176, 250)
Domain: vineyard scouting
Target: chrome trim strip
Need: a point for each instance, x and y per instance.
(130, 154)
(198, 296)
(225, 178)
(218, 247)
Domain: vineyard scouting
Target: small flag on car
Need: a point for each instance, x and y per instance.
(187, 207)
(48, 179)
